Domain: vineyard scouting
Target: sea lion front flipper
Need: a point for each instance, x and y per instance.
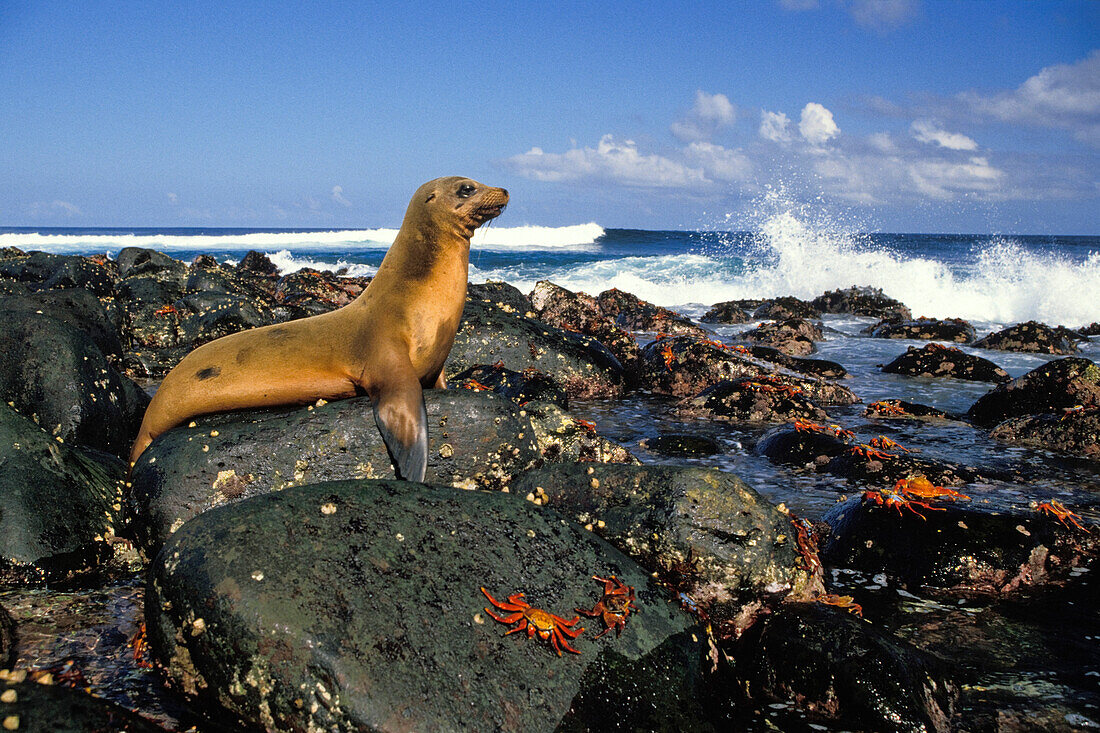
(401, 418)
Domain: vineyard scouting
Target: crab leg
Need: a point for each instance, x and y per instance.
(515, 602)
(509, 619)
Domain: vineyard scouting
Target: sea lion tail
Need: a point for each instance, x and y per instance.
(402, 420)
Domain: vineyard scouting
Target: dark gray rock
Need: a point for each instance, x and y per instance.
(7, 640)
(520, 387)
(1075, 431)
(803, 443)
(1053, 387)
(502, 295)
(705, 533)
(785, 308)
(356, 606)
(937, 360)
(684, 365)
(634, 314)
(812, 367)
(844, 671)
(900, 409)
(1032, 337)
(40, 708)
(258, 263)
(750, 400)
(682, 444)
(729, 312)
(563, 437)
(794, 336)
(863, 301)
(955, 330)
(137, 261)
(580, 364)
(55, 373)
(474, 441)
(958, 545)
(75, 306)
(44, 271)
(57, 505)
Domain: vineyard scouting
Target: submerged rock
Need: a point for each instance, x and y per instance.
(838, 668)
(634, 314)
(863, 301)
(580, 364)
(794, 336)
(684, 445)
(1031, 337)
(1053, 387)
(958, 545)
(929, 329)
(357, 606)
(705, 533)
(937, 360)
(1074, 431)
(813, 367)
(753, 400)
(803, 443)
(474, 441)
(33, 707)
(57, 517)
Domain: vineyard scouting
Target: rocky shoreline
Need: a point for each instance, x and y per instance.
(289, 583)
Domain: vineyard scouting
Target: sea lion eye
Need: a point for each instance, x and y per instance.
(466, 190)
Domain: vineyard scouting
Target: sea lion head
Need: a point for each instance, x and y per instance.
(456, 204)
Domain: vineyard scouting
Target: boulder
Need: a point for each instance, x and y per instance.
(750, 400)
(580, 364)
(784, 309)
(563, 437)
(891, 409)
(863, 301)
(1057, 385)
(1074, 431)
(137, 261)
(634, 314)
(884, 466)
(1032, 337)
(258, 263)
(794, 336)
(579, 312)
(309, 292)
(520, 387)
(55, 373)
(33, 707)
(1093, 329)
(44, 271)
(683, 365)
(937, 360)
(77, 307)
(705, 533)
(958, 545)
(501, 294)
(812, 367)
(474, 441)
(356, 605)
(57, 505)
(955, 330)
(803, 443)
(843, 671)
(7, 640)
(729, 312)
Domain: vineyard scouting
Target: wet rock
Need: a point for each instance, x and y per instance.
(258, 263)
(683, 445)
(904, 410)
(581, 313)
(683, 365)
(812, 367)
(1032, 337)
(520, 387)
(54, 708)
(1093, 329)
(75, 306)
(502, 295)
(1057, 385)
(137, 261)
(803, 443)
(580, 364)
(1075, 431)
(44, 271)
(475, 440)
(148, 363)
(937, 360)
(844, 671)
(207, 315)
(958, 545)
(150, 318)
(865, 301)
(750, 400)
(794, 336)
(53, 372)
(374, 588)
(310, 292)
(634, 314)
(881, 467)
(7, 640)
(705, 533)
(56, 513)
(784, 309)
(563, 437)
(728, 312)
(955, 330)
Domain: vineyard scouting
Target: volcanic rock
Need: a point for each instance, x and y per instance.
(904, 410)
(1074, 431)
(784, 309)
(794, 336)
(520, 387)
(863, 301)
(803, 444)
(685, 445)
(683, 365)
(748, 400)
(727, 312)
(1057, 385)
(813, 367)
(634, 314)
(563, 437)
(937, 360)
(1031, 337)
(955, 330)
(53, 708)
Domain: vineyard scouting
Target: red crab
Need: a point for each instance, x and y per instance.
(888, 498)
(920, 487)
(884, 443)
(845, 602)
(536, 621)
(1059, 512)
(666, 352)
(884, 409)
(615, 605)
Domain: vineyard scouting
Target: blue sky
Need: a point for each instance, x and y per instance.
(905, 115)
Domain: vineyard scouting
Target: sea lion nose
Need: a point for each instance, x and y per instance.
(504, 191)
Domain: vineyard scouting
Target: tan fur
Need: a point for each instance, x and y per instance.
(390, 342)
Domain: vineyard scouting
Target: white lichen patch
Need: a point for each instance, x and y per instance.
(328, 508)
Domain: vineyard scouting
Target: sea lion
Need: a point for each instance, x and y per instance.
(388, 344)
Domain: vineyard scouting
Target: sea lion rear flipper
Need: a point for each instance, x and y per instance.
(403, 422)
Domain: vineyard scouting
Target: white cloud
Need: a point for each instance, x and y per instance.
(719, 163)
(881, 142)
(882, 15)
(611, 160)
(709, 113)
(1063, 96)
(927, 131)
(943, 179)
(173, 198)
(817, 125)
(338, 196)
(775, 126)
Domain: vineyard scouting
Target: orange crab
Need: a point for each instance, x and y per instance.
(476, 386)
(536, 621)
(920, 487)
(807, 544)
(586, 424)
(884, 443)
(166, 310)
(1059, 512)
(888, 498)
(666, 352)
(884, 409)
(807, 426)
(615, 605)
(846, 602)
(868, 452)
(140, 644)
